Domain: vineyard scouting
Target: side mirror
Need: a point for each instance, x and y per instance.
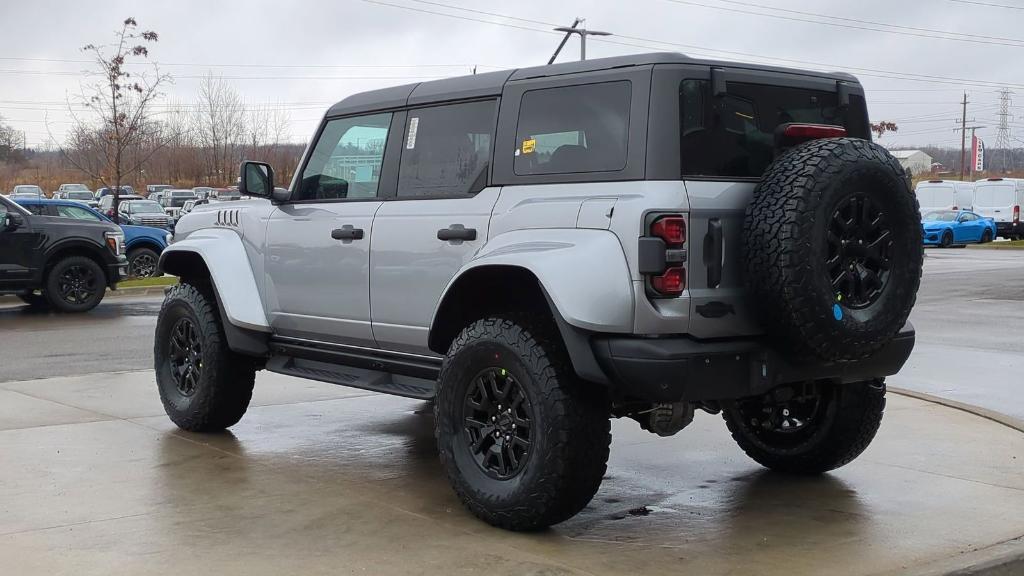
(256, 179)
(12, 220)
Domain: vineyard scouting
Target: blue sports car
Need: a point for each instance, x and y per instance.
(947, 227)
(143, 243)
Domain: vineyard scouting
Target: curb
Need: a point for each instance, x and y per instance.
(999, 418)
(119, 293)
(1002, 559)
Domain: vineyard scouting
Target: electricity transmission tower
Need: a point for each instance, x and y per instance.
(1003, 138)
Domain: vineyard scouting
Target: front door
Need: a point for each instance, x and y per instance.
(437, 221)
(19, 249)
(318, 243)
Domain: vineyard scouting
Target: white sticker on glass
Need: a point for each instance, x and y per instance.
(410, 140)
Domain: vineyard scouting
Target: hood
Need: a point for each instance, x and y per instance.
(936, 225)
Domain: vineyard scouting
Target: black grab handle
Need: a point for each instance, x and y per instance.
(456, 232)
(347, 232)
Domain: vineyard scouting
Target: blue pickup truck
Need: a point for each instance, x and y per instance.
(142, 243)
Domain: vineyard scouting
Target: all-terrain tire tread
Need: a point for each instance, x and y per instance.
(228, 378)
(572, 471)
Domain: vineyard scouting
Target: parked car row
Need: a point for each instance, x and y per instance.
(997, 200)
(143, 244)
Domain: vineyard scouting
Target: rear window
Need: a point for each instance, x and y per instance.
(994, 195)
(733, 135)
(573, 129)
(935, 196)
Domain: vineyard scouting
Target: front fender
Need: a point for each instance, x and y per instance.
(583, 272)
(222, 252)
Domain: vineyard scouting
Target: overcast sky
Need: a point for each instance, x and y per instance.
(306, 54)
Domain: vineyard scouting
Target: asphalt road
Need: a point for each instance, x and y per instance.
(969, 319)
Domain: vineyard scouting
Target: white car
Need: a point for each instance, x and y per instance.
(1000, 199)
(935, 195)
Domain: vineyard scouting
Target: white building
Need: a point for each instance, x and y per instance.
(916, 161)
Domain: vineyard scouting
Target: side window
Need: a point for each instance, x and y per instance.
(346, 161)
(37, 209)
(573, 129)
(447, 150)
(76, 213)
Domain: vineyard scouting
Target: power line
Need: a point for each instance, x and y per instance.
(988, 4)
(926, 32)
(250, 65)
(869, 72)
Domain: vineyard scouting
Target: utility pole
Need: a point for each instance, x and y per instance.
(582, 32)
(963, 140)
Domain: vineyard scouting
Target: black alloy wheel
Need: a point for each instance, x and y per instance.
(947, 239)
(787, 416)
(78, 284)
(186, 356)
(497, 420)
(143, 264)
(859, 251)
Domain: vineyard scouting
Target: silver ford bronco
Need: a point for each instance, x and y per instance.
(539, 250)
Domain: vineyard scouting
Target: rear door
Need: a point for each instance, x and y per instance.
(995, 200)
(437, 220)
(318, 243)
(727, 122)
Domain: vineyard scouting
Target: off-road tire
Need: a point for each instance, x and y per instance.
(146, 258)
(223, 389)
(855, 413)
(946, 240)
(53, 282)
(570, 433)
(34, 300)
(787, 246)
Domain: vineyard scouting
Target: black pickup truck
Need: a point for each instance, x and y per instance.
(62, 262)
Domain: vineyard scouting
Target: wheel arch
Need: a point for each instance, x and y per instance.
(75, 248)
(218, 257)
(546, 272)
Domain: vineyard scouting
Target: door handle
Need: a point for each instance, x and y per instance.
(713, 252)
(456, 232)
(347, 232)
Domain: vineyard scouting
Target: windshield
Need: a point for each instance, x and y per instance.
(940, 216)
(79, 195)
(146, 207)
(74, 187)
(33, 190)
(994, 195)
(183, 194)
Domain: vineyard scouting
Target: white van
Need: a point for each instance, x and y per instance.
(1000, 199)
(935, 195)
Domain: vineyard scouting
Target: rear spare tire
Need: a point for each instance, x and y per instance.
(833, 249)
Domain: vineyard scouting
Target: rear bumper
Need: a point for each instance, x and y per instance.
(1006, 229)
(673, 369)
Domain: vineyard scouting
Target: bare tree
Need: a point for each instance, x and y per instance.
(220, 125)
(117, 134)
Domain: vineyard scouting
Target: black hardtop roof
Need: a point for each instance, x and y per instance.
(491, 83)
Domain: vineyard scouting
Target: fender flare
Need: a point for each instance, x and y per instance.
(225, 258)
(583, 272)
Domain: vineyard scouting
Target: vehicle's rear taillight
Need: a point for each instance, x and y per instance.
(671, 229)
(664, 259)
(813, 131)
(1016, 214)
(671, 283)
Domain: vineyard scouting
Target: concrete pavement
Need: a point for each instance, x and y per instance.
(319, 479)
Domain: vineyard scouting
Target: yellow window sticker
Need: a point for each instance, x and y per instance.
(529, 145)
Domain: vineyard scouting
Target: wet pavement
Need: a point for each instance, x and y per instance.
(320, 479)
